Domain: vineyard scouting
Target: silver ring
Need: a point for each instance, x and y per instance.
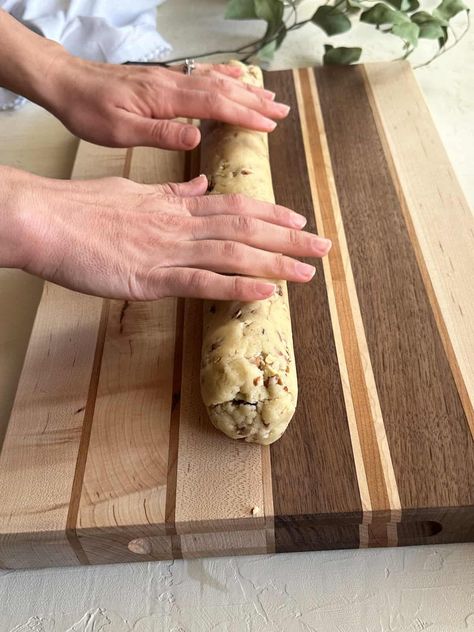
(189, 66)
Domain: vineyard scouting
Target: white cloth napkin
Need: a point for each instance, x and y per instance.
(100, 30)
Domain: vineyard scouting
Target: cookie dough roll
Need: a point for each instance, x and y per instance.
(248, 373)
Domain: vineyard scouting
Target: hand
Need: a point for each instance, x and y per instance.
(124, 106)
(115, 238)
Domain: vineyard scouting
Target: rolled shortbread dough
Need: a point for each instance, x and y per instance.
(248, 373)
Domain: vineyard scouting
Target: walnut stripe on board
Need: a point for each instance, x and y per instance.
(317, 172)
(375, 469)
(425, 423)
(315, 455)
(444, 247)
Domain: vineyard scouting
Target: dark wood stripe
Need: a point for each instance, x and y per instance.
(359, 392)
(170, 510)
(448, 346)
(315, 455)
(76, 491)
(426, 426)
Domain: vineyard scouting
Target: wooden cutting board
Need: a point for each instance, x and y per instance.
(109, 456)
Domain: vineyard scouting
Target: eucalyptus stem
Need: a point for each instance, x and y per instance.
(246, 51)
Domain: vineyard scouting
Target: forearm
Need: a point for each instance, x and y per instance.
(29, 62)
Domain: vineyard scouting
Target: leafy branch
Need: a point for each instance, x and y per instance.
(401, 18)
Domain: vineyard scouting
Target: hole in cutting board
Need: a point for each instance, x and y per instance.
(141, 546)
(423, 529)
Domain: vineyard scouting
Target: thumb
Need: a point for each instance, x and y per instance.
(148, 132)
(196, 186)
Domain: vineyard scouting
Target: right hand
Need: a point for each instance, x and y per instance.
(115, 238)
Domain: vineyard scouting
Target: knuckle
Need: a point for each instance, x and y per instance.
(215, 102)
(220, 83)
(294, 238)
(280, 263)
(197, 279)
(278, 212)
(237, 201)
(244, 224)
(238, 287)
(229, 249)
(160, 129)
(169, 222)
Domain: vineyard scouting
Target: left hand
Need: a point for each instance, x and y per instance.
(124, 106)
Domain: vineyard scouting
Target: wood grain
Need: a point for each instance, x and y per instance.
(359, 390)
(219, 481)
(315, 456)
(430, 196)
(125, 479)
(44, 431)
(109, 455)
(40, 449)
(423, 415)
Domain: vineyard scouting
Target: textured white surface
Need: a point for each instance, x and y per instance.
(403, 590)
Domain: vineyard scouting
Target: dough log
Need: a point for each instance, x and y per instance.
(248, 373)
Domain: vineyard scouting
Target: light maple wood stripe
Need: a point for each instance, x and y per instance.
(268, 509)
(125, 478)
(85, 438)
(51, 406)
(364, 535)
(315, 172)
(40, 449)
(429, 195)
(127, 461)
(219, 481)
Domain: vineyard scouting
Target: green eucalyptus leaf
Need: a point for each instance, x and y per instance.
(430, 27)
(270, 10)
(405, 5)
(266, 52)
(381, 14)
(423, 17)
(241, 10)
(442, 40)
(449, 8)
(431, 30)
(341, 55)
(331, 20)
(408, 31)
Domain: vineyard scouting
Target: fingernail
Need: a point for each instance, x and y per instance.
(270, 125)
(304, 270)
(265, 290)
(189, 136)
(321, 245)
(269, 94)
(298, 221)
(282, 108)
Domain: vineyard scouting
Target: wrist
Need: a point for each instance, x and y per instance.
(47, 75)
(12, 220)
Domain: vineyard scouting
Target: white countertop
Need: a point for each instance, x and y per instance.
(380, 590)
